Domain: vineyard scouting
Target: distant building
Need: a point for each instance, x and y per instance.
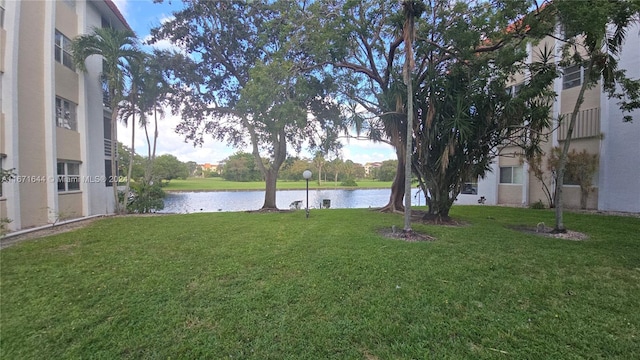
(371, 165)
(212, 168)
(54, 129)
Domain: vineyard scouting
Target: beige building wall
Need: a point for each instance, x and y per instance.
(31, 114)
(69, 206)
(586, 136)
(68, 144)
(31, 80)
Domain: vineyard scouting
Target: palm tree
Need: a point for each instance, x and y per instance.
(411, 9)
(135, 74)
(117, 48)
(154, 94)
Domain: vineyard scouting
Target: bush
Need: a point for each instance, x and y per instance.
(3, 226)
(146, 198)
(349, 182)
(537, 205)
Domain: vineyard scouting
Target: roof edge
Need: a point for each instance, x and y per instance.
(117, 12)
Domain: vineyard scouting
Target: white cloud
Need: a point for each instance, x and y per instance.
(169, 142)
(161, 45)
(364, 151)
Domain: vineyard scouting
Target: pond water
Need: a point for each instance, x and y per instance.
(209, 201)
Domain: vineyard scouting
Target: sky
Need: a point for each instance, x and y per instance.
(142, 15)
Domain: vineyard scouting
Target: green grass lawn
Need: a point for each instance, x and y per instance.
(279, 286)
(219, 184)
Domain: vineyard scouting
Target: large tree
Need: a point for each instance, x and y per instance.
(117, 48)
(361, 41)
(593, 35)
(466, 55)
(241, 81)
(241, 167)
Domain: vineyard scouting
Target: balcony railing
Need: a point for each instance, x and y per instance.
(107, 147)
(587, 124)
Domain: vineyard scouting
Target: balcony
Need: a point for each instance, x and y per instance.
(587, 124)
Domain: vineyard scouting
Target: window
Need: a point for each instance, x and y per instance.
(108, 174)
(68, 176)
(470, 186)
(511, 175)
(66, 114)
(572, 76)
(63, 50)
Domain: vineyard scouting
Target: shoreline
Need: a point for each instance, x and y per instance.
(285, 189)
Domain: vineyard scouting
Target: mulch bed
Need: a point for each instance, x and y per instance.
(542, 230)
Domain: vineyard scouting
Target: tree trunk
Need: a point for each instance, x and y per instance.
(395, 203)
(132, 153)
(439, 202)
(147, 170)
(559, 202)
(271, 177)
(152, 157)
(114, 148)
(408, 32)
(584, 196)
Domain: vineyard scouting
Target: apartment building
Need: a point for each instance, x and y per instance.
(599, 130)
(54, 128)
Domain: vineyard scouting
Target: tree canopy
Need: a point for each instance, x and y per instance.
(240, 82)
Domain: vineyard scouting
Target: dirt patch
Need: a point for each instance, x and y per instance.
(423, 217)
(542, 230)
(412, 236)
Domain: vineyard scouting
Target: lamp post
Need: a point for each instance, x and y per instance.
(307, 175)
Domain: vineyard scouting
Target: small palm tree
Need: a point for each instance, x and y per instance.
(117, 48)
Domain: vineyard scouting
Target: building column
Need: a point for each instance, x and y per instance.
(51, 159)
(10, 110)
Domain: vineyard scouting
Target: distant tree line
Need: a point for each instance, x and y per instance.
(241, 167)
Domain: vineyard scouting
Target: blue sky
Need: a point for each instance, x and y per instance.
(142, 15)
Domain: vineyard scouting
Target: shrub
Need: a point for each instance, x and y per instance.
(349, 182)
(146, 198)
(537, 205)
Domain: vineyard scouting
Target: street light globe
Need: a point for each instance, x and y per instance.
(306, 174)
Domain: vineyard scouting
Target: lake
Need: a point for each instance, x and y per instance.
(208, 201)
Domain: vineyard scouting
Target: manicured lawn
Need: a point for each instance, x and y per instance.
(218, 184)
(279, 286)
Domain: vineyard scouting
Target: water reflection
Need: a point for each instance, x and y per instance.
(188, 202)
